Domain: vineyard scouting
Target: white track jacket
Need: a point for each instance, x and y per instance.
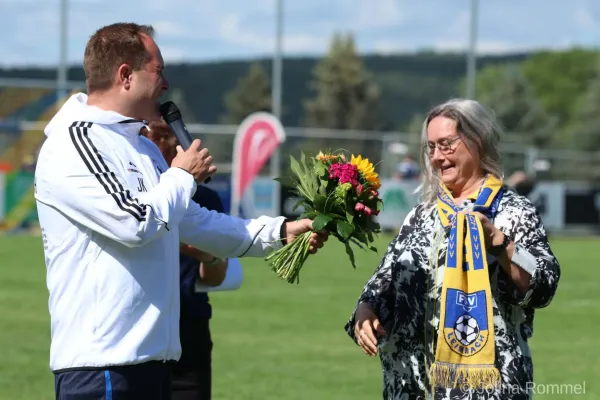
(112, 215)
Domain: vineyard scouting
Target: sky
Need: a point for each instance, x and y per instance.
(211, 30)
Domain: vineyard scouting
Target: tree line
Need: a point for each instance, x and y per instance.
(549, 98)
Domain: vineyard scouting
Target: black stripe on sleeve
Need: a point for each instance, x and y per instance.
(96, 165)
(125, 194)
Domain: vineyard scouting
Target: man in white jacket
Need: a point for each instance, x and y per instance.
(112, 224)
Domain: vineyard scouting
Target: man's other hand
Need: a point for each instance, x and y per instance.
(295, 228)
(196, 161)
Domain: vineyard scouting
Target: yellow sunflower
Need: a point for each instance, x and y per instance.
(365, 167)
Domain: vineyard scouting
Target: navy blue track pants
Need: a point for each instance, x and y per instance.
(147, 381)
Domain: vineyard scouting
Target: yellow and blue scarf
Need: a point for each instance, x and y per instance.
(465, 353)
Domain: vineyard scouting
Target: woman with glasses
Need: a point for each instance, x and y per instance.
(450, 308)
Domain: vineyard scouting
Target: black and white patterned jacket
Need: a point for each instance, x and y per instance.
(405, 292)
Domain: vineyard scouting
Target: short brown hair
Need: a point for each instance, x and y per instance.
(111, 46)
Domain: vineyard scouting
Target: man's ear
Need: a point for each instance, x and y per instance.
(124, 75)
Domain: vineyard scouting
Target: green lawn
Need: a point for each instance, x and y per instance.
(278, 341)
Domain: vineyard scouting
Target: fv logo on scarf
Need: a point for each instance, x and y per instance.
(467, 301)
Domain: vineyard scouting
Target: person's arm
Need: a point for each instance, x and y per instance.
(213, 274)
(225, 236)
(79, 176)
(378, 292)
(531, 271)
(211, 270)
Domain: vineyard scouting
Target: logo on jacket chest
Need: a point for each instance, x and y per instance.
(132, 168)
(141, 185)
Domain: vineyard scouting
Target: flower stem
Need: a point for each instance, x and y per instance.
(287, 261)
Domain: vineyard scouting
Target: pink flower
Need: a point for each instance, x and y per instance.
(372, 194)
(359, 207)
(369, 211)
(359, 189)
(345, 173)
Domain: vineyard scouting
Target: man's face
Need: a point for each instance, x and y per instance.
(163, 138)
(149, 83)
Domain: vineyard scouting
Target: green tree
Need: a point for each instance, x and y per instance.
(252, 94)
(507, 92)
(559, 78)
(584, 132)
(346, 96)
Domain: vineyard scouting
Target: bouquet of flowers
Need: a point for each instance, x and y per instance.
(337, 195)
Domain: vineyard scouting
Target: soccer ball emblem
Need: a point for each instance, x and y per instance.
(466, 329)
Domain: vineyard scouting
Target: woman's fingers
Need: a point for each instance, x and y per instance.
(378, 327)
(366, 337)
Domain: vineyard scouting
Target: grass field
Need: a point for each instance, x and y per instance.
(278, 341)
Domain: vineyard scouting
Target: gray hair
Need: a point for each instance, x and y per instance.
(478, 129)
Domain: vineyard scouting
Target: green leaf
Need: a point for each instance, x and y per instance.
(370, 236)
(321, 222)
(350, 253)
(344, 229)
(320, 202)
(360, 236)
(308, 214)
(296, 167)
(308, 185)
(287, 181)
(320, 169)
(357, 243)
(323, 186)
(350, 214)
(298, 204)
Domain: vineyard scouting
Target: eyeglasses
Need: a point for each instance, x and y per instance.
(445, 145)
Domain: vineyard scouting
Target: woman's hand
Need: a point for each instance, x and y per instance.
(366, 325)
(493, 236)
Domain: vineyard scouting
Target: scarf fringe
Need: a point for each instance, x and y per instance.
(464, 376)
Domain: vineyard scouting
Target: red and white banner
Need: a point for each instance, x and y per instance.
(256, 139)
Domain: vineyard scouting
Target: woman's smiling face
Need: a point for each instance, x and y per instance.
(452, 160)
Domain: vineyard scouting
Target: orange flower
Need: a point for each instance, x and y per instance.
(329, 157)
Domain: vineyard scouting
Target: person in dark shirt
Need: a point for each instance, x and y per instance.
(192, 375)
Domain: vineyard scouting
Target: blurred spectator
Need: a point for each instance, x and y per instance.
(407, 169)
(521, 183)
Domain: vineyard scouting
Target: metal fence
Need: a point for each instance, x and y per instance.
(25, 110)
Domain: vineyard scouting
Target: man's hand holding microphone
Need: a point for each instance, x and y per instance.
(195, 160)
(190, 157)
